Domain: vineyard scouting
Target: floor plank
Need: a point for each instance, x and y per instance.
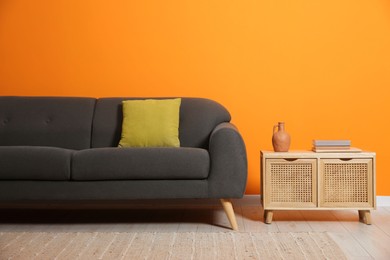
(322, 221)
(381, 218)
(253, 218)
(195, 220)
(291, 221)
(350, 246)
(370, 237)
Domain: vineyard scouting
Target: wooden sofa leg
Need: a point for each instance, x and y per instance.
(228, 207)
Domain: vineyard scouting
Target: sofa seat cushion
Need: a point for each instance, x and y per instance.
(34, 163)
(140, 164)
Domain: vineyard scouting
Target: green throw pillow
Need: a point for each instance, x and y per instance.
(150, 123)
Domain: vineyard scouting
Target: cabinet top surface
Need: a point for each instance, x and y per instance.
(311, 154)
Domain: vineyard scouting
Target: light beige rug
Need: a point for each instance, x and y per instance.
(114, 245)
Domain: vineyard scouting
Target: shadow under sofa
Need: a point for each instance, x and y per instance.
(66, 149)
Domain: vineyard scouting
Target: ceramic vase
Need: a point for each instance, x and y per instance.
(280, 138)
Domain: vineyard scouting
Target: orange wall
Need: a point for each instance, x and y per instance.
(323, 67)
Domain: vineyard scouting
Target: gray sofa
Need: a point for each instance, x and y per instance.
(65, 149)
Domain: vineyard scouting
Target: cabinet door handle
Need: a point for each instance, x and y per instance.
(345, 159)
(290, 159)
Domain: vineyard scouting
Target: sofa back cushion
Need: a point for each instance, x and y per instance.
(46, 121)
(198, 117)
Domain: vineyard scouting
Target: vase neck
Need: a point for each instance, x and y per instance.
(281, 126)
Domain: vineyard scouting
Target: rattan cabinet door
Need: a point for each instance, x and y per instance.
(346, 183)
(290, 183)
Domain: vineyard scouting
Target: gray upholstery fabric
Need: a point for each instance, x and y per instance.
(34, 163)
(101, 190)
(140, 163)
(228, 174)
(46, 121)
(198, 117)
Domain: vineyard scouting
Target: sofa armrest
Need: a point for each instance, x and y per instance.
(228, 159)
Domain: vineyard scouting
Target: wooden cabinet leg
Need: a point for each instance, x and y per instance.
(268, 214)
(229, 211)
(365, 216)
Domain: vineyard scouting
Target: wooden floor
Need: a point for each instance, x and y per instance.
(357, 240)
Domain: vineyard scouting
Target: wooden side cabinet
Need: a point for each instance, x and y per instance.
(305, 180)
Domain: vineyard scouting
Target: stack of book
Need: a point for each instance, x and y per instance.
(332, 146)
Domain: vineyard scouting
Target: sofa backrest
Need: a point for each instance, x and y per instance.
(46, 121)
(80, 123)
(198, 117)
